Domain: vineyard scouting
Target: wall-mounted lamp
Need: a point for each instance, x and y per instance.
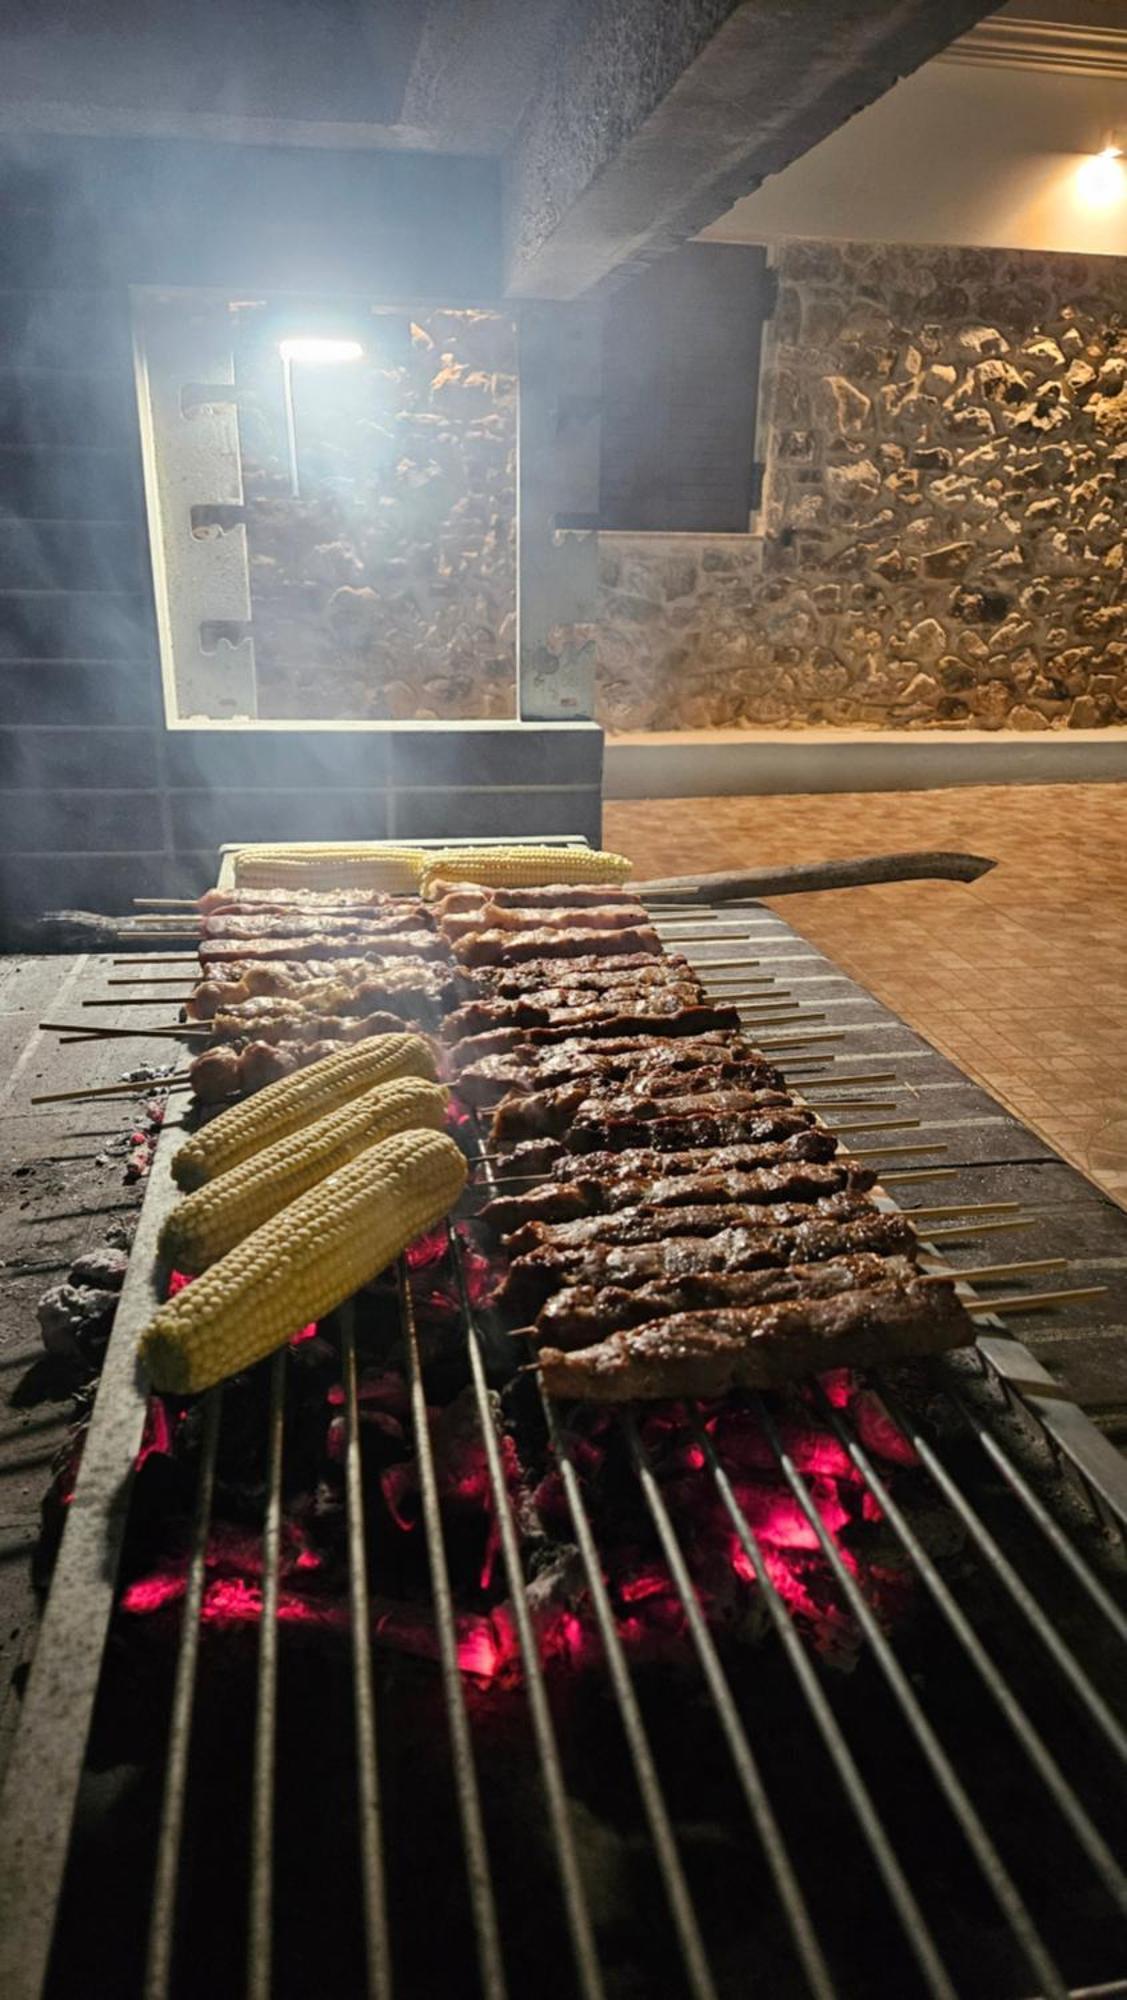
(1101, 181)
(311, 350)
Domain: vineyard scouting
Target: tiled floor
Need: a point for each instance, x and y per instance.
(1020, 977)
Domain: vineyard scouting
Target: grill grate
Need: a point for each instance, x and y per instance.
(1037, 1504)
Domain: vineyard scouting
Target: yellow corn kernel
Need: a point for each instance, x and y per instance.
(396, 869)
(307, 1259)
(208, 1223)
(297, 1100)
(525, 867)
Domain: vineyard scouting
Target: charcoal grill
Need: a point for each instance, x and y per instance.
(254, 1805)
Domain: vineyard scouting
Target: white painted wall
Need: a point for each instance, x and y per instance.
(958, 153)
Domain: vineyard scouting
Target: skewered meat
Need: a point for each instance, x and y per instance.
(505, 983)
(512, 948)
(402, 985)
(592, 1025)
(760, 1245)
(813, 1144)
(287, 1023)
(218, 1075)
(495, 1078)
(299, 923)
(761, 1347)
(565, 1201)
(493, 917)
(345, 944)
(376, 901)
(647, 1224)
(581, 1315)
(539, 1010)
(679, 1094)
(606, 1132)
(408, 1000)
(555, 896)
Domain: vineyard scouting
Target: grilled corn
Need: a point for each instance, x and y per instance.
(395, 869)
(525, 867)
(295, 1101)
(211, 1221)
(307, 1259)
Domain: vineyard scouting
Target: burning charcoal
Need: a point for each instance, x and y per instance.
(74, 1317)
(102, 1269)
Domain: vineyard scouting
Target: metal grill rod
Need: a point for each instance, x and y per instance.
(260, 1912)
(1052, 1531)
(162, 1920)
(681, 1909)
(1037, 1751)
(465, 1774)
(377, 1942)
(994, 1871)
(853, 1784)
(743, 1757)
(571, 1879)
(1062, 1656)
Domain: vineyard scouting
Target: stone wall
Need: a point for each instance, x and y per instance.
(388, 590)
(946, 514)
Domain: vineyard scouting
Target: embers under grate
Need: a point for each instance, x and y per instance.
(333, 1818)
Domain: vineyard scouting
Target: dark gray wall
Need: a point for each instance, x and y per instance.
(98, 801)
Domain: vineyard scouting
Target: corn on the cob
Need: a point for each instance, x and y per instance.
(307, 1259)
(394, 869)
(297, 1100)
(522, 867)
(211, 1221)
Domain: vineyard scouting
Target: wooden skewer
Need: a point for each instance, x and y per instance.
(961, 1208)
(85, 1033)
(918, 1174)
(878, 1125)
(95, 1091)
(139, 1000)
(854, 1104)
(790, 1041)
(173, 979)
(980, 1228)
(163, 958)
(1024, 1302)
(860, 1076)
(892, 1152)
(149, 937)
(711, 964)
(982, 1272)
(165, 903)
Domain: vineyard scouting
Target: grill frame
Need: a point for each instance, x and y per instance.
(41, 1790)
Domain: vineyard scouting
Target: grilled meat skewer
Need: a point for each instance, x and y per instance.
(505, 982)
(512, 947)
(463, 896)
(810, 1144)
(542, 1009)
(556, 1112)
(583, 1315)
(592, 1023)
(376, 902)
(492, 917)
(321, 944)
(497, 1078)
(759, 1245)
(593, 1194)
(296, 923)
(762, 1347)
(647, 1224)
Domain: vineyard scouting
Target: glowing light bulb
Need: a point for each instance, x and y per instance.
(319, 351)
(1101, 181)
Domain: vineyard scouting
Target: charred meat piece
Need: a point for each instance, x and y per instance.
(321, 944)
(216, 1077)
(593, 1024)
(759, 1245)
(581, 1315)
(683, 1094)
(496, 1077)
(540, 1009)
(811, 1144)
(646, 1223)
(596, 975)
(762, 1347)
(564, 1201)
(287, 1024)
(601, 917)
(513, 947)
(305, 923)
(402, 987)
(604, 1132)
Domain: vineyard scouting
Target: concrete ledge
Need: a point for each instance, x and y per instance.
(712, 763)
